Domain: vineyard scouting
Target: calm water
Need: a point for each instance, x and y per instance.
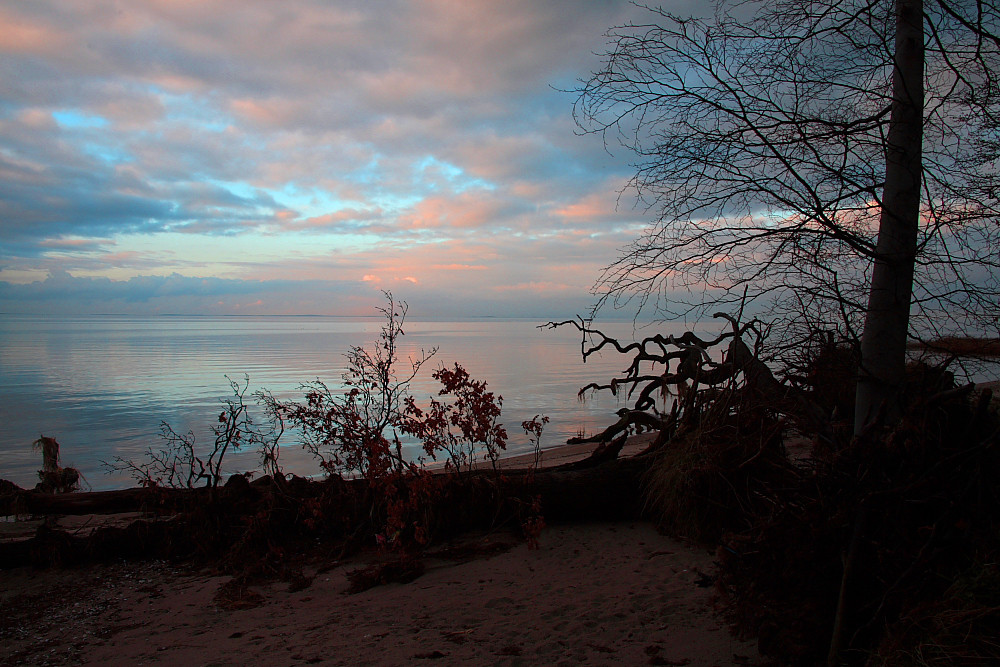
(102, 385)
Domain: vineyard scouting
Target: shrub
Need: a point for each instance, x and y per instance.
(179, 464)
(355, 432)
(349, 431)
(462, 429)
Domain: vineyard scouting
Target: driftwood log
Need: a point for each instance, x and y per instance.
(39, 503)
(609, 491)
(563, 486)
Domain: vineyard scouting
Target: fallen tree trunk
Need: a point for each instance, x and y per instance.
(96, 502)
(481, 499)
(609, 491)
(605, 452)
(610, 473)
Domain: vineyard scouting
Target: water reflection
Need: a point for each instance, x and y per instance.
(102, 385)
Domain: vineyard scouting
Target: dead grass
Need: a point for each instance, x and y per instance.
(707, 481)
(962, 628)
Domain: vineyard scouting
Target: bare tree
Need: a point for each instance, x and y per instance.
(181, 463)
(836, 159)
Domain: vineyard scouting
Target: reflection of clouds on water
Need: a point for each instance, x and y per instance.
(102, 385)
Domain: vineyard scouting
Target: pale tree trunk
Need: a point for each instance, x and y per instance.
(883, 343)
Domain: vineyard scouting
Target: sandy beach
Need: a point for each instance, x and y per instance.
(589, 594)
(599, 594)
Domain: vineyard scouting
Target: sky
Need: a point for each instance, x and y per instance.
(250, 157)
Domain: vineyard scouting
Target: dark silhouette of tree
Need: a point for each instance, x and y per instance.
(836, 160)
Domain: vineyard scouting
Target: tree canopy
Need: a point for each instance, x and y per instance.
(760, 149)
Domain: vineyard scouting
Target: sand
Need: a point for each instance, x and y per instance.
(597, 594)
(589, 594)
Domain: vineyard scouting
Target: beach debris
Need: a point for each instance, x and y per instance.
(236, 594)
(400, 571)
(54, 479)
(430, 655)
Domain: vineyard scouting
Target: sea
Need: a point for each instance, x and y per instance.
(102, 386)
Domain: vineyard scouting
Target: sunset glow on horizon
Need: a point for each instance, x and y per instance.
(299, 158)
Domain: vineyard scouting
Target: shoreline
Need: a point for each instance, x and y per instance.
(14, 528)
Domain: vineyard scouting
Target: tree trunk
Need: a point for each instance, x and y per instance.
(97, 502)
(883, 343)
(610, 491)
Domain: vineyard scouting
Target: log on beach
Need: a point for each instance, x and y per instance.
(38, 503)
(610, 491)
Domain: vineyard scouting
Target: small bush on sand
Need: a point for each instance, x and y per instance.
(464, 429)
(180, 463)
(355, 432)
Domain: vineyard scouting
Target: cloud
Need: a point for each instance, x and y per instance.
(534, 287)
(23, 36)
(465, 210)
(64, 294)
(596, 206)
(457, 267)
(77, 245)
(301, 144)
(332, 221)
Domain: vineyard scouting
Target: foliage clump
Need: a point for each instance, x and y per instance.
(53, 478)
(358, 432)
(870, 544)
(462, 429)
(879, 549)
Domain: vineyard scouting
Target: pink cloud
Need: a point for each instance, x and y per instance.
(253, 304)
(457, 267)
(20, 35)
(332, 219)
(590, 207)
(37, 119)
(433, 264)
(537, 287)
(268, 112)
(495, 44)
(316, 97)
(128, 259)
(466, 210)
(179, 83)
(76, 244)
(493, 156)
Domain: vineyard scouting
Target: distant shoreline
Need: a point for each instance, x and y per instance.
(540, 320)
(966, 346)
